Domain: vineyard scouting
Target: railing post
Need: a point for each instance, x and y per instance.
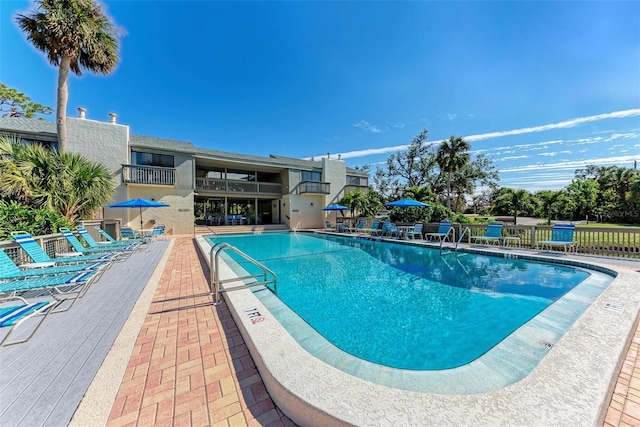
(533, 237)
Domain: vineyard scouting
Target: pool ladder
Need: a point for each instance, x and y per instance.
(215, 281)
(466, 229)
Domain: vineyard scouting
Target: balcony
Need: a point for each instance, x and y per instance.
(231, 186)
(153, 175)
(313, 187)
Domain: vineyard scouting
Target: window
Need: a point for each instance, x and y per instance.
(47, 144)
(151, 159)
(357, 180)
(241, 175)
(310, 176)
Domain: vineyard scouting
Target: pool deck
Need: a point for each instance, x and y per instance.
(179, 360)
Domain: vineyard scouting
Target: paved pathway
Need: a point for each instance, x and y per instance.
(190, 365)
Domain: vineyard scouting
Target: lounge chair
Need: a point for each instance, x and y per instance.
(359, 227)
(10, 271)
(445, 230)
(561, 236)
(64, 285)
(38, 255)
(109, 239)
(328, 226)
(492, 234)
(13, 315)
(415, 232)
(374, 227)
(78, 247)
(128, 233)
(110, 245)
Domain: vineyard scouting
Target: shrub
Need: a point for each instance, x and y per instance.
(16, 217)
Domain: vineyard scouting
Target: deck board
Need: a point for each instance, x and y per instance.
(43, 380)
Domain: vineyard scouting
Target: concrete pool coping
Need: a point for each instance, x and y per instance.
(571, 385)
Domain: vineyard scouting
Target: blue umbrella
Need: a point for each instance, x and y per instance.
(336, 207)
(138, 203)
(407, 203)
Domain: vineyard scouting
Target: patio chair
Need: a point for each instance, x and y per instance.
(359, 227)
(79, 247)
(129, 233)
(445, 229)
(38, 255)
(493, 233)
(15, 315)
(88, 238)
(61, 287)
(110, 239)
(374, 227)
(328, 226)
(9, 270)
(416, 232)
(561, 236)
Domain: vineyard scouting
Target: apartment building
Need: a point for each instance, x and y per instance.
(200, 185)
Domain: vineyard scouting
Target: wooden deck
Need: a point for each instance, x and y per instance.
(43, 380)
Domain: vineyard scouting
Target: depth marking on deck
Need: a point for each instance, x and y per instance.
(254, 315)
(618, 307)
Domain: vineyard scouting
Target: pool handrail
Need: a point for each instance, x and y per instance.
(214, 279)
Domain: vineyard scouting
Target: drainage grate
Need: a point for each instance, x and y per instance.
(548, 345)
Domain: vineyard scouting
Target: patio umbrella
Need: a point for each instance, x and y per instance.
(138, 203)
(336, 207)
(407, 203)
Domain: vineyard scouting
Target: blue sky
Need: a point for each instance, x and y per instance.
(541, 87)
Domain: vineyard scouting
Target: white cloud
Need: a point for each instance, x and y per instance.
(548, 154)
(451, 116)
(575, 164)
(561, 125)
(513, 158)
(399, 125)
(365, 125)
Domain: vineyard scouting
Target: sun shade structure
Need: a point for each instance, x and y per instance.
(407, 203)
(138, 203)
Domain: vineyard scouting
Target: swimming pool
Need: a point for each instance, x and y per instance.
(404, 306)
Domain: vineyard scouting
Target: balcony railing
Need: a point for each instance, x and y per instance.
(231, 186)
(136, 174)
(315, 187)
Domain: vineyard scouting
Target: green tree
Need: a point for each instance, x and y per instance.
(514, 202)
(413, 167)
(453, 155)
(65, 183)
(74, 35)
(584, 195)
(14, 103)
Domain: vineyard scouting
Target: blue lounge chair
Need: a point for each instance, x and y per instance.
(128, 233)
(78, 247)
(493, 234)
(445, 231)
(38, 255)
(359, 227)
(328, 225)
(9, 270)
(416, 232)
(111, 245)
(14, 315)
(61, 285)
(561, 237)
(374, 227)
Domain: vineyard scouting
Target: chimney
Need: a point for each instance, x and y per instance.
(113, 117)
(82, 112)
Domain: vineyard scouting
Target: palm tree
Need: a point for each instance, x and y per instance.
(66, 183)
(514, 202)
(452, 155)
(74, 34)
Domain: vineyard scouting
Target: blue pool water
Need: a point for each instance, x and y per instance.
(405, 306)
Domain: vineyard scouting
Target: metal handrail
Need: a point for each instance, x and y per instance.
(461, 236)
(452, 231)
(215, 282)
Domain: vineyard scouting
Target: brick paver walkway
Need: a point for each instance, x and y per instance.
(624, 410)
(190, 365)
